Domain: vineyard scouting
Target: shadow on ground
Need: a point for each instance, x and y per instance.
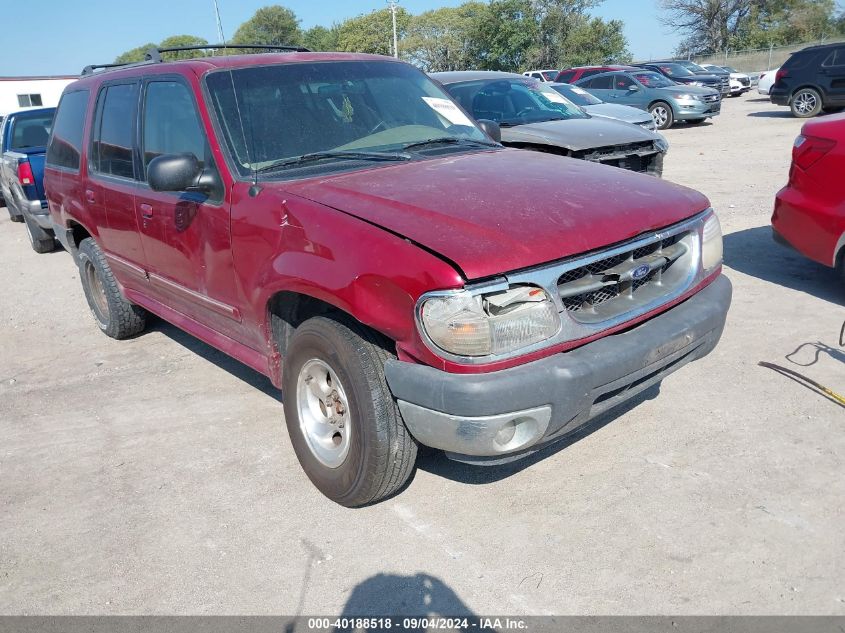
(223, 361)
(786, 113)
(417, 595)
(755, 253)
(436, 462)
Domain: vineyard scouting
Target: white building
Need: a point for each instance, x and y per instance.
(20, 93)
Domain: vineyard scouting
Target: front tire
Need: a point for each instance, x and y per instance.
(662, 114)
(806, 103)
(114, 315)
(41, 241)
(343, 422)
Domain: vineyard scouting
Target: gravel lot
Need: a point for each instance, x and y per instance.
(155, 475)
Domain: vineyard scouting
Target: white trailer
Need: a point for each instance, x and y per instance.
(22, 93)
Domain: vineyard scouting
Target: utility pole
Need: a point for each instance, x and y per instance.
(394, 4)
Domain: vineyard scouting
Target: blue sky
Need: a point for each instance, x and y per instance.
(65, 35)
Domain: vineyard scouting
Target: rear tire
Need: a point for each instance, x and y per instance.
(662, 114)
(805, 103)
(343, 422)
(41, 241)
(114, 315)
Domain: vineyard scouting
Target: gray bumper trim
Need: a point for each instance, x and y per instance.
(579, 384)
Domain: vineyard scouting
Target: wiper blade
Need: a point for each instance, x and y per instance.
(346, 155)
(448, 140)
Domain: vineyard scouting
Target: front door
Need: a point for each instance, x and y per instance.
(186, 235)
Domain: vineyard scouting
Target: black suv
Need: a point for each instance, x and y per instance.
(811, 80)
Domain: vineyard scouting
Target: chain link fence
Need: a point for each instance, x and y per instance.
(756, 60)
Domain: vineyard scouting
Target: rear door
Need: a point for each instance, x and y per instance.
(832, 77)
(601, 86)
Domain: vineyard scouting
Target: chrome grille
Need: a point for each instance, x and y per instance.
(610, 286)
(745, 81)
(726, 83)
(711, 98)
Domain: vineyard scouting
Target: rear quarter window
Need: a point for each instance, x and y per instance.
(566, 77)
(66, 140)
(835, 58)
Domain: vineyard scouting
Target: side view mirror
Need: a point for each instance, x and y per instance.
(175, 172)
(633, 88)
(491, 128)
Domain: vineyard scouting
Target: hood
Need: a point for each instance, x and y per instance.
(620, 112)
(578, 134)
(492, 212)
(709, 79)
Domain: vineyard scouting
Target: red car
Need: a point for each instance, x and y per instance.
(809, 211)
(338, 223)
(571, 75)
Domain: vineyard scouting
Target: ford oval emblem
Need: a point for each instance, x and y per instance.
(641, 271)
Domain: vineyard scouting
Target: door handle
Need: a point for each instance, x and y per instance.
(89, 196)
(146, 211)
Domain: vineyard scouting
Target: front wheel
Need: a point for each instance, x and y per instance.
(806, 103)
(344, 425)
(662, 114)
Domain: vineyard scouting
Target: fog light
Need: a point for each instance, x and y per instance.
(506, 433)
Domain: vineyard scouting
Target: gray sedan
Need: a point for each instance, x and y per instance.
(663, 98)
(596, 107)
(534, 116)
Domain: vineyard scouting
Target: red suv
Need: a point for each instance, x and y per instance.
(338, 223)
(571, 75)
(809, 211)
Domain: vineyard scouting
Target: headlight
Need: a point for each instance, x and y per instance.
(696, 83)
(661, 143)
(711, 244)
(687, 97)
(494, 323)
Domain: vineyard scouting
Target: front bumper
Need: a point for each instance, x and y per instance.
(497, 416)
(686, 110)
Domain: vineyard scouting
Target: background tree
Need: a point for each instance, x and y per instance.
(319, 38)
(372, 32)
(504, 36)
(441, 39)
(270, 25)
(594, 41)
(134, 54)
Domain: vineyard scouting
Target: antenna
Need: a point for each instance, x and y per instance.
(219, 23)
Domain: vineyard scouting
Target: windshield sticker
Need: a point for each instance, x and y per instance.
(448, 110)
(554, 95)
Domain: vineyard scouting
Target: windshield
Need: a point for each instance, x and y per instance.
(31, 129)
(675, 69)
(577, 95)
(653, 80)
(514, 101)
(274, 114)
(730, 69)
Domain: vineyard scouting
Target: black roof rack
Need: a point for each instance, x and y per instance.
(154, 54)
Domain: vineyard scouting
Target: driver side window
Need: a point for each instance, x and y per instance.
(171, 122)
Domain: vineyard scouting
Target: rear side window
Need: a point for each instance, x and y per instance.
(566, 77)
(836, 58)
(66, 141)
(590, 73)
(171, 122)
(602, 83)
(113, 137)
(31, 130)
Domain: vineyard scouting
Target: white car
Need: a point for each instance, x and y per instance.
(740, 82)
(767, 79)
(548, 75)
